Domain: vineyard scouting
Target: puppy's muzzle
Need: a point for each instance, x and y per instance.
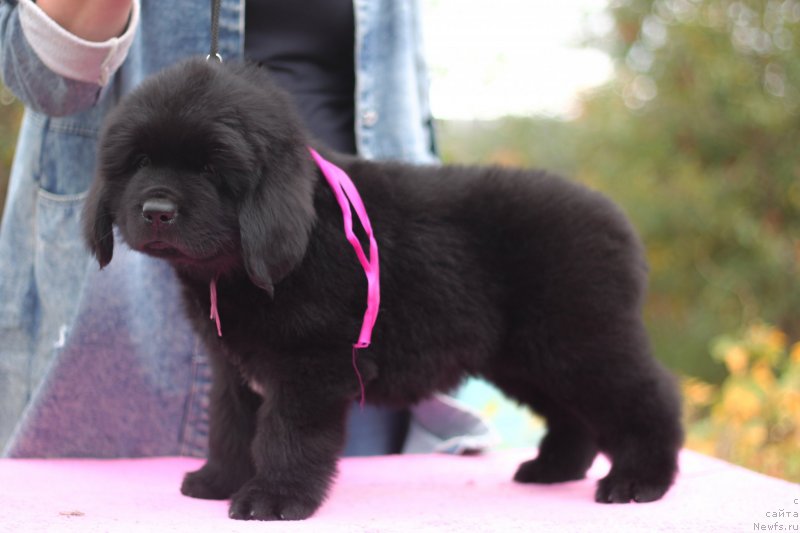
(159, 211)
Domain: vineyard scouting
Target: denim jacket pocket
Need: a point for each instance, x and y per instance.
(61, 260)
(67, 160)
(61, 257)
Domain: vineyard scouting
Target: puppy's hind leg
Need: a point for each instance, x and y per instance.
(567, 449)
(628, 400)
(642, 435)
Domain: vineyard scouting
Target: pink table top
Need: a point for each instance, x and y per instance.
(410, 493)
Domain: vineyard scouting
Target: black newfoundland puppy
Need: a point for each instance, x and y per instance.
(528, 280)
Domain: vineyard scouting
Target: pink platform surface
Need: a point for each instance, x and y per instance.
(411, 493)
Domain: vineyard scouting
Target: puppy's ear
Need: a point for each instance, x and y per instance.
(275, 222)
(98, 223)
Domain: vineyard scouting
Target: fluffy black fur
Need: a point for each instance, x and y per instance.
(528, 280)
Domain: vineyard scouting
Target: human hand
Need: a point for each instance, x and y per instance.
(92, 20)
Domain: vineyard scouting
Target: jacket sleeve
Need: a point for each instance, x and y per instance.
(51, 70)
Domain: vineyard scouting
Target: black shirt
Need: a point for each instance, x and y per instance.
(308, 47)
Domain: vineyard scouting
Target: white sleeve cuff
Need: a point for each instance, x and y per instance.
(70, 56)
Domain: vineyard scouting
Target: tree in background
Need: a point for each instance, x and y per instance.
(697, 137)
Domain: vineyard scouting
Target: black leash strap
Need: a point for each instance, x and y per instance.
(214, 52)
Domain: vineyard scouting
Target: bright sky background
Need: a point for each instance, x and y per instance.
(490, 58)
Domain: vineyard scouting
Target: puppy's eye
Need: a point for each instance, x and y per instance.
(142, 161)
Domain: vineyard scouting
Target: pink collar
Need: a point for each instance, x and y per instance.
(347, 196)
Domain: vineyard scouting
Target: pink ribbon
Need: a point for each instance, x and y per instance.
(347, 196)
(214, 312)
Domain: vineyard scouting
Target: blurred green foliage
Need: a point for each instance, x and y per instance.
(697, 137)
(10, 116)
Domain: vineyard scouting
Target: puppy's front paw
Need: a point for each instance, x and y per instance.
(616, 488)
(261, 500)
(207, 484)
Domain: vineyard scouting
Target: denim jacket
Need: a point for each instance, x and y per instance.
(103, 364)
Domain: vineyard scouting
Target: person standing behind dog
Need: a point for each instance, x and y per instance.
(103, 364)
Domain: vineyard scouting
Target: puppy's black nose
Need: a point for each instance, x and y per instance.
(159, 211)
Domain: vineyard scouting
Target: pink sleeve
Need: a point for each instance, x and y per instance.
(70, 56)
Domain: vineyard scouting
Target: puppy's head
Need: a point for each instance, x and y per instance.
(206, 166)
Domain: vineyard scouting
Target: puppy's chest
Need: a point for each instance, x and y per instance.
(252, 378)
(257, 387)
(253, 368)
